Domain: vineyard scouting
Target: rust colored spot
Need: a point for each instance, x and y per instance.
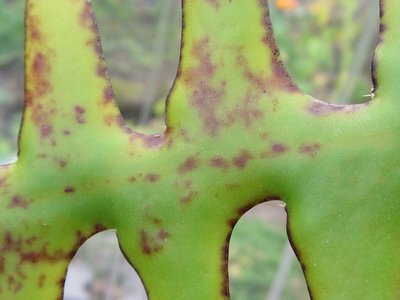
(310, 149)
(242, 159)
(154, 140)
(108, 95)
(99, 228)
(46, 130)
(69, 190)
(153, 243)
(121, 123)
(18, 202)
(30, 241)
(2, 261)
(188, 165)
(33, 28)
(224, 264)
(66, 132)
(220, 163)
(247, 111)
(152, 177)
(153, 220)
(41, 70)
(61, 162)
(86, 17)
(279, 148)
(188, 198)
(101, 69)
(205, 98)
(163, 235)
(132, 179)
(79, 114)
(282, 78)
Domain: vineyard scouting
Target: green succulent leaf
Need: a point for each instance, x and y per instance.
(239, 132)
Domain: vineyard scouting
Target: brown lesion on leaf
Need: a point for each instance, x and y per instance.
(220, 163)
(69, 189)
(153, 241)
(62, 163)
(246, 111)
(187, 198)
(152, 177)
(224, 291)
(39, 86)
(18, 201)
(241, 160)
(79, 114)
(33, 28)
(108, 95)
(311, 149)
(188, 165)
(275, 149)
(281, 78)
(206, 97)
(40, 75)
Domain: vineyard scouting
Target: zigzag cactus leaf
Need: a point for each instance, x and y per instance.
(239, 132)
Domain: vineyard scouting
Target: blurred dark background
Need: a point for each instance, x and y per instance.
(327, 45)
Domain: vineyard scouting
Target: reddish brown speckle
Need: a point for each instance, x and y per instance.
(152, 177)
(188, 165)
(132, 179)
(41, 69)
(33, 28)
(206, 98)
(108, 95)
(101, 69)
(18, 202)
(99, 228)
(153, 243)
(310, 149)
(62, 163)
(220, 163)
(163, 235)
(66, 132)
(153, 141)
(86, 16)
(79, 114)
(282, 78)
(46, 130)
(69, 190)
(242, 159)
(279, 148)
(188, 198)
(144, 240)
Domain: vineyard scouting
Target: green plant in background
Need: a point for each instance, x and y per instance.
(239, 132)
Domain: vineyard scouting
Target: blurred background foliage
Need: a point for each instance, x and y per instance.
(327, 45)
